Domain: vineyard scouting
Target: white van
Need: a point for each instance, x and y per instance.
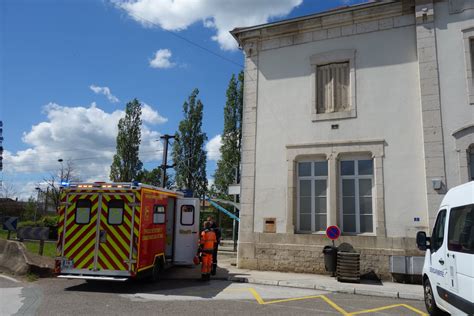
(448, 272)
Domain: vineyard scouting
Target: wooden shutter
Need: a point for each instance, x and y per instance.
(332, 84)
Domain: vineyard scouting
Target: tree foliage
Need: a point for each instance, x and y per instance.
(153, 177)
(188, 154)
(126, 163)
(52, 193)
(231, 136)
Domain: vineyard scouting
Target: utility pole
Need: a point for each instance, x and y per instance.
(164, 165)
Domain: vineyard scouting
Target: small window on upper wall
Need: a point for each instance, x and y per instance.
(333, 81)
(471, 163)
(159, 216)
(83, 211)
(471, 46)
(187, 215)
(115, 212)
(332, 86)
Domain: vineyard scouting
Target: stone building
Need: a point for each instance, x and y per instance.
(361, 117)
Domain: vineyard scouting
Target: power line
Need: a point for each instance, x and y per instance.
(189, 41)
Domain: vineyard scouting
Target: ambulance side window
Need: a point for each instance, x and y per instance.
(158, 214)
(461, 229)
(187, 215)
(438, 231)
(83, 212)
(115, 215)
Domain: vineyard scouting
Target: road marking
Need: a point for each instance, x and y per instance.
(373, 310)
(335, 306)
(331, 303)
(9, 278)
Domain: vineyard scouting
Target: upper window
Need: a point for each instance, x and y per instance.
(438, 231)
(332, 86)
(471, 163)
(115, 215)
(83, 211)
(471, 50)
(312, 196)
(187, 215)
(356, 196)
(159, 214)
(468, 37)
(461, 229)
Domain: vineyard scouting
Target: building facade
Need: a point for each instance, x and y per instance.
(361, 117)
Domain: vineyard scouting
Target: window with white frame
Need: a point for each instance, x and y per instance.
(332, 87)
(471, 51)
(470, 163)
(356, 181)
(312, 196)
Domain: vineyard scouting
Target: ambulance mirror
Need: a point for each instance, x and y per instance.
(422, 241)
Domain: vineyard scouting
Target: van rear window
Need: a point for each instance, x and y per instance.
(83, 211)
(461, 229)
(115, 215)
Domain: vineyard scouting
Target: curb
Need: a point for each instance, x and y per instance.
(312, 286)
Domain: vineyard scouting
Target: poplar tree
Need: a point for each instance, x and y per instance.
(231, 136)
(188, 153)
(126, 163)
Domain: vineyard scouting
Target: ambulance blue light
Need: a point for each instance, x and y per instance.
(64, 183)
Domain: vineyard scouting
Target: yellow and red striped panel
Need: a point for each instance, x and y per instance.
(115, 251)
(80, 239)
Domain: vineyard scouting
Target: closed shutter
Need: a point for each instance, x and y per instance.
(332, 87)
(471, 44)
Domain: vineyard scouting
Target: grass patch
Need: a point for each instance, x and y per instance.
(49, 249)
(4, 234)
(33, 246)
(32, 277)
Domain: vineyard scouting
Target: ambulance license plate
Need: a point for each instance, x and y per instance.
(68, 264)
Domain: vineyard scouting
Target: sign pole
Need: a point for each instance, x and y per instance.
(41, 247)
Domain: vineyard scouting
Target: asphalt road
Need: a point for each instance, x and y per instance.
(186, 297)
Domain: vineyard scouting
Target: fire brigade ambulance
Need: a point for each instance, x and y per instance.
(118, 231)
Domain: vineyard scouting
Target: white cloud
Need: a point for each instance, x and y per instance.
(105, 91)
(213, 148)
(162, 59)
(84, 135)
(151, 116)
(220, 15)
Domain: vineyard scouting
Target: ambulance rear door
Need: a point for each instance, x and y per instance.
(187, 230)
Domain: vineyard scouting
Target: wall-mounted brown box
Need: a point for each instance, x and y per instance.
(269, 225)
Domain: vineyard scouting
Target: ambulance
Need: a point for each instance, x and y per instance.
(121, 231)
(448, 271)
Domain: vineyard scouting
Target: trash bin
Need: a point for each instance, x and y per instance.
(330, 258)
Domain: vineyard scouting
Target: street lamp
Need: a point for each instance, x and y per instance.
(37, 202)
(60, 160)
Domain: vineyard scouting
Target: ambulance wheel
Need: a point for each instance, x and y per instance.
(155, 273)
(430, 302)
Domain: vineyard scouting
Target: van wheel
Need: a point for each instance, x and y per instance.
(430, 302)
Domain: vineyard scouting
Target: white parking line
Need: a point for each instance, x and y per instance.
(9, 278)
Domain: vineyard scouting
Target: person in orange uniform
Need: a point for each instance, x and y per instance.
(206, 247)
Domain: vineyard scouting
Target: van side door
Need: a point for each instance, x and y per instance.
(438, 264)
(460, 258)
(187, 231)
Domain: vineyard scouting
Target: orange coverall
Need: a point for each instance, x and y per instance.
(207, 243)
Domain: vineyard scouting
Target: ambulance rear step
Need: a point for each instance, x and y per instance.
(91, 277)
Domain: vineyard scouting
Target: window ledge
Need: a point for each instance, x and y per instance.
(333, 116)
(359, 235)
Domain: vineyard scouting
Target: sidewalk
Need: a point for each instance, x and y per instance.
(321, 282)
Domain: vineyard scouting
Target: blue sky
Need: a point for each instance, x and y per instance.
(58, 57)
